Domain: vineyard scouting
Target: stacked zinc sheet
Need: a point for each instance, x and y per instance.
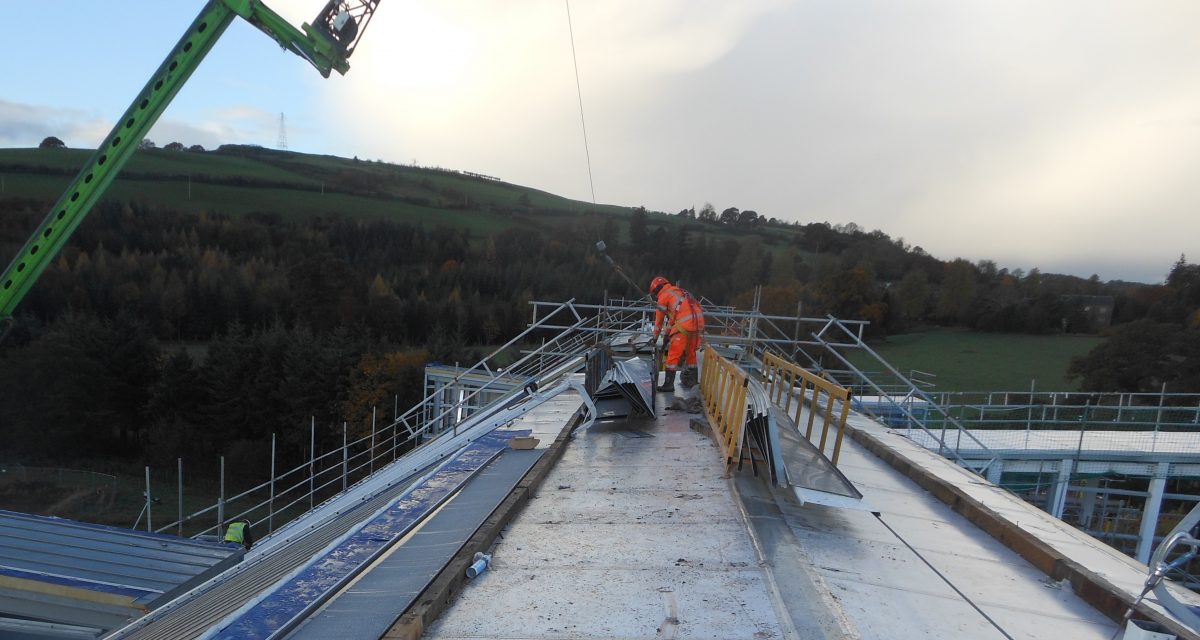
(620, 387)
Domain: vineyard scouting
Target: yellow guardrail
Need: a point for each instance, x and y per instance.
(787, 381)
(723, 390)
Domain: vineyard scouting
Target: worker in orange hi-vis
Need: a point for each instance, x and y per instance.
(685, 324)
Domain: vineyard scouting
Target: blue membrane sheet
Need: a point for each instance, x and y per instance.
(300, 595)
(372, 604)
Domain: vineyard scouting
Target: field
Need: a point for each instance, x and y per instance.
(969, 361)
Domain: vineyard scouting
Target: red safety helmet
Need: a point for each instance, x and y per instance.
(657, 283)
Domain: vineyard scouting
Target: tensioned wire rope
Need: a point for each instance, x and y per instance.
(579, 92)
(945, 579)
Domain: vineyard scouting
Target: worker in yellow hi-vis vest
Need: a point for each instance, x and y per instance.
(685, 323)
(238, 532)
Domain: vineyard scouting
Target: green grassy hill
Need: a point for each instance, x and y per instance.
(242, 179)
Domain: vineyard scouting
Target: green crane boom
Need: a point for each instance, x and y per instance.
(326, 45)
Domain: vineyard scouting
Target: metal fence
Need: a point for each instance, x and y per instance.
(1041, 410)
(285, 494)
(562, 333)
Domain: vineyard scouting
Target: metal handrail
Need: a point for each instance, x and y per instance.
(335, 464)
(914, 389)
(782, 377)
(481, 366)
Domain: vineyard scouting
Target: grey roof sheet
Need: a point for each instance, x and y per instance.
(65, 572)
(101, 557)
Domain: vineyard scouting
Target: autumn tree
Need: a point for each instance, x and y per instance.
(912, 295)
(957, 291)
(384, 382)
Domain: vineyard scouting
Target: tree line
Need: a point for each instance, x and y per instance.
(158, 334)
(1158, 351)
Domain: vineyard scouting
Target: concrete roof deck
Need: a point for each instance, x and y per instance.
(886, 588)
(636, 534)
(1105, 576)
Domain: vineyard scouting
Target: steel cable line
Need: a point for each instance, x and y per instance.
(579, 93)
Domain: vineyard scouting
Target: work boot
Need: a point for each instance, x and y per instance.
(688, 378)
(668, 382)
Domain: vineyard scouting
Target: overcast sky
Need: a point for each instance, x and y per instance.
(1058, 135)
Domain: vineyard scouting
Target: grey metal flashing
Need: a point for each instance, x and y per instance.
(798, 595)
(808, 470)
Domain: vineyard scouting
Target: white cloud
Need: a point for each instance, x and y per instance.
(230, 124)
(26, 125)
(490, 86)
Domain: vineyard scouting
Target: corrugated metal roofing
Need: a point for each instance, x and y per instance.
(62, 571)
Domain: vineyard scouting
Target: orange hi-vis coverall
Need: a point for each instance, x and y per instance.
(685, 324)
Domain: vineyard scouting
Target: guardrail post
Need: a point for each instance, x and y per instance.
(1029, 415)
(371, 463)
(1162, 396)
(221, 498)
(271, 495)
(179, 529)
(149, 520)
(752, 350)
(825, 420)
(790, 390)
(714, 382)
(942, 439)
(345, 457)
(812, 405)
(739, 417)
(312, 460)
(837, 443)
